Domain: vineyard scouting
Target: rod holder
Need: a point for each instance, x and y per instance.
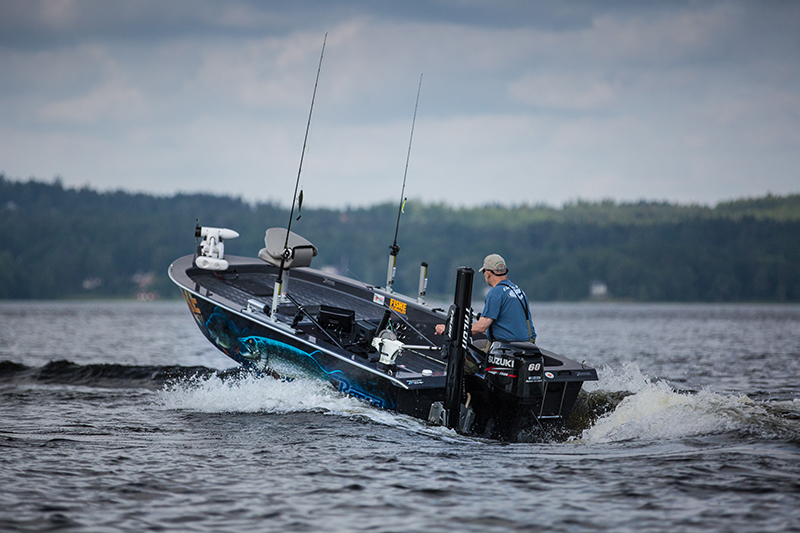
(423, 282)
(392, 268)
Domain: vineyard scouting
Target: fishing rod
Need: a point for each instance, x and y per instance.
(276, 294)
(394, 249)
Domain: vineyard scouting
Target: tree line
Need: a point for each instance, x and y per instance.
(61, 242)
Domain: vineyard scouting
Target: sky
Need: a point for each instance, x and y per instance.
(521, 101)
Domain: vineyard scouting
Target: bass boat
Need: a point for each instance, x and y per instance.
(277, 316)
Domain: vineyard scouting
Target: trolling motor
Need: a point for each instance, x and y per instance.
(211, 250)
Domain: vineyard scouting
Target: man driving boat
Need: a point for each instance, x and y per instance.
(506, 314)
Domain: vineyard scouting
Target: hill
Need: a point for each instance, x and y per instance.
(66, 243)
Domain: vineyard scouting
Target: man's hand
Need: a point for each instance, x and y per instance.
(480, 326)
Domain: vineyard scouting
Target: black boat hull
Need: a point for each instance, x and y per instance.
(271, 351)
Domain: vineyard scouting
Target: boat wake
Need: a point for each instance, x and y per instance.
(244, 392)
(248, 393)
(101, 375)
(624, 405)
(629, 406)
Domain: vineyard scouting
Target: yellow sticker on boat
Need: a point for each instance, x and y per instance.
(397, 306)
(198, 316)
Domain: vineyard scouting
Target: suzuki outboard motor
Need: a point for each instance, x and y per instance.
(513, 389)
(516, 368)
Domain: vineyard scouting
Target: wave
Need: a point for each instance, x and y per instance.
(102, 375)
(623, 405)
(250, 393)
(631, 406)
(202, 389)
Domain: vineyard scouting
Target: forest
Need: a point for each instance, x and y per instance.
(61, 242)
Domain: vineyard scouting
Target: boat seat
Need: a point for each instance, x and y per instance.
(301, 251)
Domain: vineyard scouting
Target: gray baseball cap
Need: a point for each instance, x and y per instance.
(494, 263)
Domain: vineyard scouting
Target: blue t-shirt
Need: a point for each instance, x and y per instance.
(506, 304)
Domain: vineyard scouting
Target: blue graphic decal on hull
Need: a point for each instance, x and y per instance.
(287, 361)
(223, 332)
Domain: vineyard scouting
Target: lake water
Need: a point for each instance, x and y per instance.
(113, 417)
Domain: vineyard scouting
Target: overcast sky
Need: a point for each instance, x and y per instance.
(521, 101)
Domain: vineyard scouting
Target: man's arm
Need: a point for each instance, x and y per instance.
(480, 326)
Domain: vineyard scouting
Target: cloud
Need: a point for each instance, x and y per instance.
(114, 101)
(564, 91)
(521, 101)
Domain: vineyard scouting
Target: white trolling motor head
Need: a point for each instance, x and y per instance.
(211, 251)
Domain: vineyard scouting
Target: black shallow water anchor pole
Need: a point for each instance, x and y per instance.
(457, 331)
